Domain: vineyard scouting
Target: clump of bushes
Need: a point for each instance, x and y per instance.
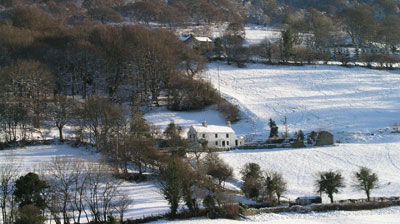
(230, 111)
(228, 211)
(267, 186)
(191, 94)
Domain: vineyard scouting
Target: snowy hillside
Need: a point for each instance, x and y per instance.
(350, 102)
(256, 34)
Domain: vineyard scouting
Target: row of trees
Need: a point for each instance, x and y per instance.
(331, 182)
(270, 12)
(311, 35)
(66, 190)
(183, 12)
(269, 185)
(193, 179)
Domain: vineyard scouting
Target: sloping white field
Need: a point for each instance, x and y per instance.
(256, 34)
(346, 101)
(300, 166)
(381, 216)
(146, 196)
(161, 117)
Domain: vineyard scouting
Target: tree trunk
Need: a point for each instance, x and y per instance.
(60, 130)
(84, 88)
(331, 197)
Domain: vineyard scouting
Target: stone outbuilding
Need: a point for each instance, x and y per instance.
(324, 138)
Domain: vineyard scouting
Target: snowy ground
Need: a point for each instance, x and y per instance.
(256, 34)
(381, 216)
(350, 102)
(383, 158)
(353, 103)
(357, 105)
(161, 117)
(146, 196)
(299, 166)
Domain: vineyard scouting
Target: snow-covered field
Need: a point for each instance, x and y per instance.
(350, 102)
(146, 196)
(299, 166)
(381, 216)
(256, 34)
(357, 105)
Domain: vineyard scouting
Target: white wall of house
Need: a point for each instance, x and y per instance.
(216, 136)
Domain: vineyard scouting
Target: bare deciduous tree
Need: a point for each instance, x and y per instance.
(61, 112)
(60, 180)
(9, 172)
(102, 189)
(122, 204)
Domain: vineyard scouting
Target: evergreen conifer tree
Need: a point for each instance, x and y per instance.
(274, 129)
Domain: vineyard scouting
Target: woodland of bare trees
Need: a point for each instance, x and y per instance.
(66, 190)
(55, 74)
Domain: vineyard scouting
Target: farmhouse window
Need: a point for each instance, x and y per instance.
(204, 135)
(216, 142)
(216, 135)
(227, 135)
(227, 142)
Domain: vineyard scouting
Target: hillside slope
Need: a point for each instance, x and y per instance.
(350, 102)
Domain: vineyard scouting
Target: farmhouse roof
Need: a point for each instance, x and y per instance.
(212, 129)
(200, 39)
(203, 39)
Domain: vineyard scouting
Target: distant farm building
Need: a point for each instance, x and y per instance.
(201, 44)
(324, 138)
(320, 138)
(215, 136)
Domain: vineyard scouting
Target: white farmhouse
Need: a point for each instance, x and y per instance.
(216, 136)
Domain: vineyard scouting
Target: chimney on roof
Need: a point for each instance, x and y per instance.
(205, 123)
(228, 123)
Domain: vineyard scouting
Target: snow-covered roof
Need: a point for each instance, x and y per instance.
(184, 38)
(203, 39)
(200, 39)
(212, 129)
